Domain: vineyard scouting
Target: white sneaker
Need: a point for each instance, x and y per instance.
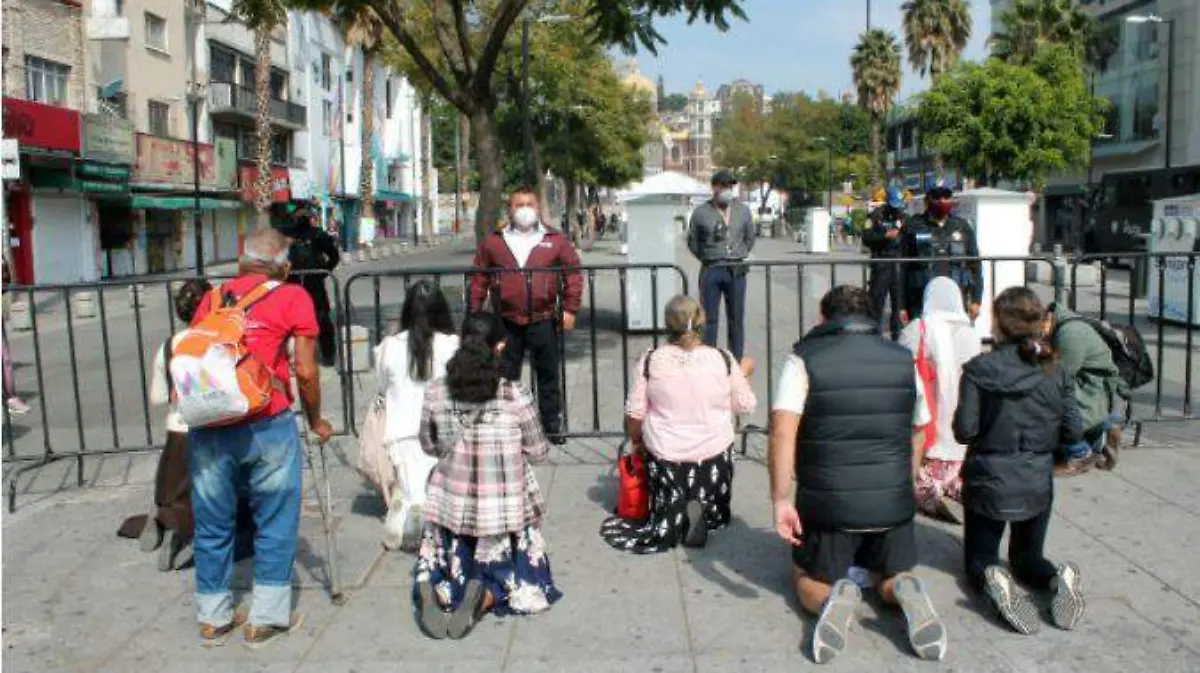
(833, 626)
(926, 632)
(393, 528)
(1066, 607)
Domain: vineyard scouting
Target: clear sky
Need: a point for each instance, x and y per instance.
(787, 45)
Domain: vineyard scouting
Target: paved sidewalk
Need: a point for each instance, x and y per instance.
(77, 598)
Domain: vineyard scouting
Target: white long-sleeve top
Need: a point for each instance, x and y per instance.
(403, 395)
(160, 391)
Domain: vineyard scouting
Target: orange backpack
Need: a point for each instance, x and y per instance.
(215, 379)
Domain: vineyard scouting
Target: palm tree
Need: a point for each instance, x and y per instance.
(362, 28)
(262, 17)
(876, 67)
(935, 32)
(1030, 24)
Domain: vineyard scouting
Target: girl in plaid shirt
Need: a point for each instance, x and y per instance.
(482, 549)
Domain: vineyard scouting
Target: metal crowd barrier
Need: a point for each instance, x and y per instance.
(379, 304)
(1156, 312)
(92, 376)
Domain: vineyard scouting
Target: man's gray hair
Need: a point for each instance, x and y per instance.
(265, 246)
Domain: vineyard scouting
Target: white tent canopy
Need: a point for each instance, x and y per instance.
(667, 183)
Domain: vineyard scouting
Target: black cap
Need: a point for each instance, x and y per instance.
(940, 193)
(723, 178)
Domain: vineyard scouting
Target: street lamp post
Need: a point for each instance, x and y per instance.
(197, 218)
(526, 121)
(1167, 125)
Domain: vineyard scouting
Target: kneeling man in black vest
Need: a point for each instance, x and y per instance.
(842, 427)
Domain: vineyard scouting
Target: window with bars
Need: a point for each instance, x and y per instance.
(156, 32)
(326, 72)
(46, 81)
(159, 115)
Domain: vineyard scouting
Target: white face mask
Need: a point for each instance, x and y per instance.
(725, 197)
(525, 218)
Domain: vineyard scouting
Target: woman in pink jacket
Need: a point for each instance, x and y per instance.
(680, 417)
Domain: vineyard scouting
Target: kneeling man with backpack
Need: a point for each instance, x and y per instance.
(1106, 362)
(230, 380)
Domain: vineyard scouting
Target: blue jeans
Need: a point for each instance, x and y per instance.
(1093, 440)
(730, 283)
(264, 459)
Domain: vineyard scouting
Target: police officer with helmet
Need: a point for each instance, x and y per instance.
(937, 236)
(883, 241)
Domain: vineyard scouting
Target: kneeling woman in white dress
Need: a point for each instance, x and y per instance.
(406, 363)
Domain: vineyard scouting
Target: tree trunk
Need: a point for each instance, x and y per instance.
(491, 171)
(367, 170)
(874, 173)
(540, 185)
(569, 229)
(427, 195)
(464, 152)
(262, 124)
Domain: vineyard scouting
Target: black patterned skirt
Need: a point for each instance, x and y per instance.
(672, 485)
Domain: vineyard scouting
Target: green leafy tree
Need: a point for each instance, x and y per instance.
(936, 32)
(743, 142)
(454, 46)
(876, 68)
(675, 102)
(262, 17)
(1001, 121)
(1030, 24)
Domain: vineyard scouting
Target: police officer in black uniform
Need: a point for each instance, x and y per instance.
(313, 249)
(883, 240)
(936, 235)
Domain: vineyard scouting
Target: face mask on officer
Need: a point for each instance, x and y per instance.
(724, 196)
(525, 218)
(940, 208)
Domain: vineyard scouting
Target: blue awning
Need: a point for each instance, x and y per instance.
(387, 195)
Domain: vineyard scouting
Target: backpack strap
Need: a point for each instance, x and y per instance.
(256, 295)
(167, 352)
(728, 358)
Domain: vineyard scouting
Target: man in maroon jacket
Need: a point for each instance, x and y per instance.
(531, 304)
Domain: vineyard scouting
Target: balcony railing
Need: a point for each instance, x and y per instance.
(227, 97)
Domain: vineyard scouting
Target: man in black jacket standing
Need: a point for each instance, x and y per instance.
(883, 240)
(937, 236)
(854, 501)
(313, 250)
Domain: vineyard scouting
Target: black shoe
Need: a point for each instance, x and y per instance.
(463, 620)
(431, 618)
(697, 527)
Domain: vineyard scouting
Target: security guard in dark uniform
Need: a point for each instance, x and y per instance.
(883, 240)
(936, 235)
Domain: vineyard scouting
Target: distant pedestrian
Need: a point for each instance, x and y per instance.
(534, 306)
(261, 453)
(1087, 360)
(12, 401)
(842, 431)
(721, 235)
(680, 417)
(313, 255)
(882, 239)
(1016, 407)
(407, 363)
(482, 548)
(937, 236)
(942, 341)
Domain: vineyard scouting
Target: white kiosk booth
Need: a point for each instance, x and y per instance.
(1175, 228)
(652, 237)
(1003, 228)
(816, 227)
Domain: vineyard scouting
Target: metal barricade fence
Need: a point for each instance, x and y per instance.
(1159, 299)
(92, 348)
(620, 312)
(773, 326)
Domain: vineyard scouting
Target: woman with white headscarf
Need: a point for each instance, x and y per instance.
(942, 341)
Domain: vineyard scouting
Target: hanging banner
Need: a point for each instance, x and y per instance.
(165, 161)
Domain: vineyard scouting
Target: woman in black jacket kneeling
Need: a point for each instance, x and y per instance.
(1015, 408)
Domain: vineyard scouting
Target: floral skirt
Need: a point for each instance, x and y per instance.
(938, 479)
(514, 568)
(672, 485)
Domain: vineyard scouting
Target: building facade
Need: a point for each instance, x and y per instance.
(143, 110)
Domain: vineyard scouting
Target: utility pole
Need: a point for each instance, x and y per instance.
(194, 95)
(868, 14)
(526, 123)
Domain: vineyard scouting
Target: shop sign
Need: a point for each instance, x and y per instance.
(97, 187)
(107, 139)
(280, 187)
(44, 127)
(167, 161)
(111, 172)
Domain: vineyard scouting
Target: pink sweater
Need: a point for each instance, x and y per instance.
(687, 406)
